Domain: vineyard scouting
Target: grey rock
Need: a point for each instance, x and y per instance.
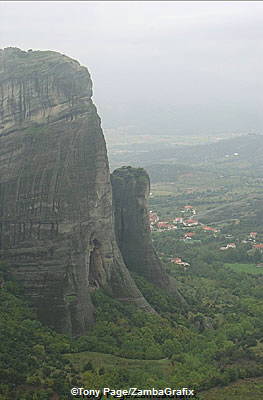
(131, 188)
(56, 219)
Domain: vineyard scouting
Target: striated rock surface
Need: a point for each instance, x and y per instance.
(56, 223)
(131, 188)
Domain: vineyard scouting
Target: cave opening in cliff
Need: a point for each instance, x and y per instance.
(94, 261)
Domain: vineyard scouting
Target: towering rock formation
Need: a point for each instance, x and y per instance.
(56, 227)
(131, 188)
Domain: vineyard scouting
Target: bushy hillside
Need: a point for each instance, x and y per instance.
(32, 365)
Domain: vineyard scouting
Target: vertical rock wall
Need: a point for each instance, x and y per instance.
(56, 222)
(131, 188)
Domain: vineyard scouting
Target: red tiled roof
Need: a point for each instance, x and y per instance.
(209, 228)
(258, 246)
(189, 234)
(163, 224)
(175, 260)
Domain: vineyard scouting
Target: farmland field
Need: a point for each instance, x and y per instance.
(248, 268)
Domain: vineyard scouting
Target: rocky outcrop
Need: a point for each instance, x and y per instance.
(56, 223)
(131, 188)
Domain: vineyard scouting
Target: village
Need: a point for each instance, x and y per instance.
(190, 230)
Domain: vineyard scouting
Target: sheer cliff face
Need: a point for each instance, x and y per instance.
(56, 228)
(131, 187)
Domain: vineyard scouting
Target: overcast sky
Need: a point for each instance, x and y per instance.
(157, 67)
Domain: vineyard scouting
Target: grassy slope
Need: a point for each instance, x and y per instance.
(247, 389)
(249, 268)
(109, 361)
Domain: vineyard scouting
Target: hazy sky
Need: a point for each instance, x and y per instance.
(157, 66)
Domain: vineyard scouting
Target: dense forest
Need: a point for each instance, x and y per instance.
(222, 319)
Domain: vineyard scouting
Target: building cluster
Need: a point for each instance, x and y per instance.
(188, 222)
(252, 236)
